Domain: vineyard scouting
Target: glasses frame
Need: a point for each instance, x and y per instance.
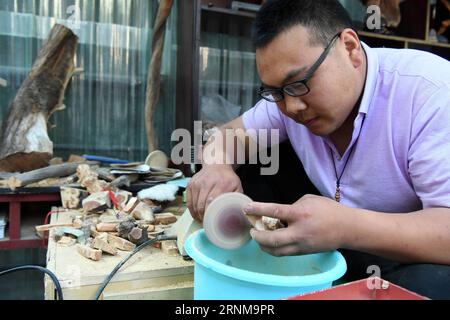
(305, 80)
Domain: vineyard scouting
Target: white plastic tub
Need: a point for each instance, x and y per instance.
(2, 227)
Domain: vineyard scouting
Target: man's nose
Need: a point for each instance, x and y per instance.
(294, 105)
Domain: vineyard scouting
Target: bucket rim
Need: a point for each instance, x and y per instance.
(336, 272)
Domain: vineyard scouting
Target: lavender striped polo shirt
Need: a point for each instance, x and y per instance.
(402, 160)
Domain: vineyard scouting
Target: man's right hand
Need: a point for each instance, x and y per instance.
(209, 183)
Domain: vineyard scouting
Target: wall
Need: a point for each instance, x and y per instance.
(105, 104)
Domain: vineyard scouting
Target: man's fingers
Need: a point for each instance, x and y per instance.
(194, 197)
(273, 210)
(277, 243)
(203, 201)
(271, 239)
(206, 199)
(190, 202)
(288, 250)
(194, 194)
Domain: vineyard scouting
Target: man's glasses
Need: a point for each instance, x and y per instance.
(297, 88)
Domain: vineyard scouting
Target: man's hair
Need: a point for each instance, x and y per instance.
(323, 19)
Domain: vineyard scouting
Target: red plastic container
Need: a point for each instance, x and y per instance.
(366, 289)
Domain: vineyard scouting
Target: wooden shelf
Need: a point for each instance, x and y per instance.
(403, 39)
(240, 13)
(20, 233)
(27, 228)
(243, 85)
(8, 244)
(27, 235)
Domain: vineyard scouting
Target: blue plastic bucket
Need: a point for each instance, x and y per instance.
(249, 273)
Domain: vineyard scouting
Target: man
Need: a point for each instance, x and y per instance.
(372, 130)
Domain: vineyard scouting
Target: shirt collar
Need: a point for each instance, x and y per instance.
(371, 78)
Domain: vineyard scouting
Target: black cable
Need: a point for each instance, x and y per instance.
(142, 246)
(44, 270)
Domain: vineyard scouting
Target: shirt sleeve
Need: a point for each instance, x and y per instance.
(429, 153)
(265, 115)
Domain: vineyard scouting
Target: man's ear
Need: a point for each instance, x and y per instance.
(353, 46)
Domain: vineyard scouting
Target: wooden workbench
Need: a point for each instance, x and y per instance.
(149, 275)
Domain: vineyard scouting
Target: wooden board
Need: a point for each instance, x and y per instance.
(150, 274)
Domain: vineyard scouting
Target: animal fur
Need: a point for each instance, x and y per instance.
(160, 193)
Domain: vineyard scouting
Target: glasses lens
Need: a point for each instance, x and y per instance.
(296, 89)
(273, 96)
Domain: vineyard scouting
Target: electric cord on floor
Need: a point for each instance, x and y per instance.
(139, 248)
(42, 269)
